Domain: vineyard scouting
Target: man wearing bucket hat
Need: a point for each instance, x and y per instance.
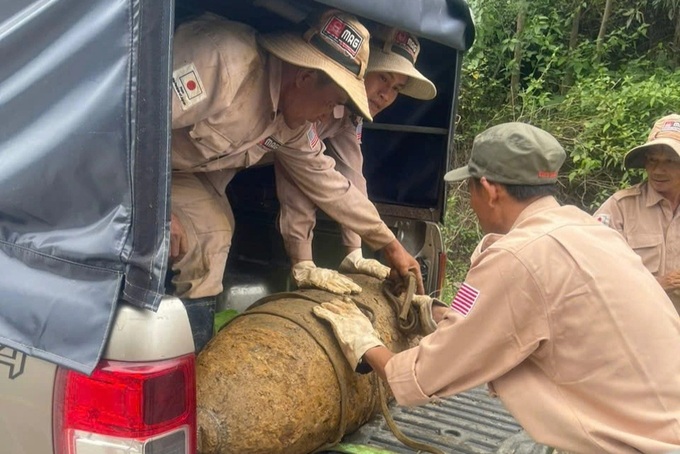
(390, 71)
(647, 214)
(238, 96)
(549, 315)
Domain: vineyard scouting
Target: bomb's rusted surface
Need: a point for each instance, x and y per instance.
(275, 381)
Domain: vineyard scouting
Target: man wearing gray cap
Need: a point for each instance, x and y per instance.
(549, 315)
(647, 214)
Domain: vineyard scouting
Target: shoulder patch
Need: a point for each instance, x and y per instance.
(359, 129)
(465, 299)
(312, 137)
(188, 86)
(628, 192)
(605, 219)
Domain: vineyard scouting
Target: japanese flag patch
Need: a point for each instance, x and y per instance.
(188, 86)
(604, 219)
(465, 299)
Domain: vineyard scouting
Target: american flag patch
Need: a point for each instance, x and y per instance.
(465, 299)
(359, 130)
(312, 136)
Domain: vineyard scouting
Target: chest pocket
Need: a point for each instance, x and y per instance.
(648, 247)
(209, 138)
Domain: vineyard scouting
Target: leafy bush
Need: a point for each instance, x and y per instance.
(599, 102)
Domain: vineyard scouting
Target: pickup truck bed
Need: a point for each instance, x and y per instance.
(470, 422)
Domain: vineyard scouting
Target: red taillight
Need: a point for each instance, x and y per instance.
(142, 406)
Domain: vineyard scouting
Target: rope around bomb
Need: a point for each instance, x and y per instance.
(408, 322)
(408, 319)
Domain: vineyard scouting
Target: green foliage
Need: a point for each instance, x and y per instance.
(598, 105)
(462, 233)
(603, 117)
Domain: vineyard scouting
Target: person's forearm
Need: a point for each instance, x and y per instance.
(378, 357)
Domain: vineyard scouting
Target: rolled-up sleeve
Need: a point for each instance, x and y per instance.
(504, 326)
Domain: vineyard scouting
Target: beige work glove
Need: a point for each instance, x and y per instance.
(356, 263)
(351, 327)
(423, 305)
(307, 275)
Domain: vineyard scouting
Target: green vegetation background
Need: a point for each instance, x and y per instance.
(595, 74)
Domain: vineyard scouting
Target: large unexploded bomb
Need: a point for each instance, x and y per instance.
(275, 381)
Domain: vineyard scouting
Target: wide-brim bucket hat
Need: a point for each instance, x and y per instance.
(396, 51)
(665, 136)
(337, 44)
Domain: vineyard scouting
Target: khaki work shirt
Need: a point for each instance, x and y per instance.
(647, 222)
(225, 117)
(298, 213)
(569, 329)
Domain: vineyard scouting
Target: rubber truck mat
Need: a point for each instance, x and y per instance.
(470, 422)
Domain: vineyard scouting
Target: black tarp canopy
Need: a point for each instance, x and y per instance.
(84, 160)
(83, 169)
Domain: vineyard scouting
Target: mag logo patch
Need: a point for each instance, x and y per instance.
(671, 125)
(269, 144)
(343, 35)
(405, 41)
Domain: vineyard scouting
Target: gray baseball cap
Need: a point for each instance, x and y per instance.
(513, 153)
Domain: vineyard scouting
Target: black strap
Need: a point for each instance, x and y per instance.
(335, 55)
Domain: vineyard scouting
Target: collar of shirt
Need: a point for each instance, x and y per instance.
(542, 204)
(651, 196)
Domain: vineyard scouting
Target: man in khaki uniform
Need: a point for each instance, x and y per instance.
(557, 314)
(237, 96)
(390, 71)
(647, 214)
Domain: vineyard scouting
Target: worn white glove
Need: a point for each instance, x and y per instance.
(356, 263)
(307, 275)
(423, 304)
(351, 327)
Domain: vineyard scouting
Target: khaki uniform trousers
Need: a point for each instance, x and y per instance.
(201, 205)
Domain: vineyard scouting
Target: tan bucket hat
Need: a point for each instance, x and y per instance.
(396, 51)
(665, 135)
(337, 44)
